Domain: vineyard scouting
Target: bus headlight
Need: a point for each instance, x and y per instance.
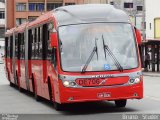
(66, 83)
(137, 80)
(69, 83)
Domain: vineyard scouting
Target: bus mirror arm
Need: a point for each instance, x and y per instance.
(54, 39)
(138, 36)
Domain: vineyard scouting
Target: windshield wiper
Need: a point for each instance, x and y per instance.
(95, 50)
(107, 49)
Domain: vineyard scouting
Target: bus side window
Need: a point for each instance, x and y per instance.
(22, 49)
(16, 45)
(49, 51)
(30, 36)
(19, 39)
(44, 41)
(24, 46)
(6, 47)
(39, 43)
(21, 46)
(34, 43)
(11, 46)
(52, 56)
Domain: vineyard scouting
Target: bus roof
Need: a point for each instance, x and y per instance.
(21, 28)
(75, 14)
(9, 32)
(18, 29)
(42, 19)
(88, 13)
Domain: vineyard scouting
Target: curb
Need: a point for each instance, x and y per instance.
(151, 75)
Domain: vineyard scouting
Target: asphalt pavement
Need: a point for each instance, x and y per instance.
(14, 102)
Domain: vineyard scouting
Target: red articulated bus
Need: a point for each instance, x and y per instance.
(72, 54)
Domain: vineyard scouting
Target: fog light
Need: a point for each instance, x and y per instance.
(66, 83)
(131, 81)
(137, 80)
(72, 83)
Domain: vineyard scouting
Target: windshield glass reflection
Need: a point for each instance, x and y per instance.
(78, 41)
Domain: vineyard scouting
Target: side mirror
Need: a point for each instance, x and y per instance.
(138, 36)
(54, 39)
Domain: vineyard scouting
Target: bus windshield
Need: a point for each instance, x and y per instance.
(82, 47)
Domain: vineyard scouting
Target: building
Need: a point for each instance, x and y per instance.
(20, 11)
(152, 19)
(151, 47)
(2, 25)
(2, 19)
(135, 9)
(95, 1)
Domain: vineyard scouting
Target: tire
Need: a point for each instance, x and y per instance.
(120, 103)
(20, 89)
(16, 79)
(37, 97)
(18, 84)
(50, 91)
(11, 84)
(58, 106)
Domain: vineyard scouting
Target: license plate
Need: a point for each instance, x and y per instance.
(107, 94)
(103, 95)
(91, 82)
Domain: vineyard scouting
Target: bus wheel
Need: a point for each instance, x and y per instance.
(50, 90)
(120, 103)
(11, 84)
(37, 97)
(58, 106)
(18, 83)
(16, 79)
(20, 89)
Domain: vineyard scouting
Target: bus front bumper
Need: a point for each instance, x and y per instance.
(72, 95)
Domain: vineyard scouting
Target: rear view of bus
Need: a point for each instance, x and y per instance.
(99, 57)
